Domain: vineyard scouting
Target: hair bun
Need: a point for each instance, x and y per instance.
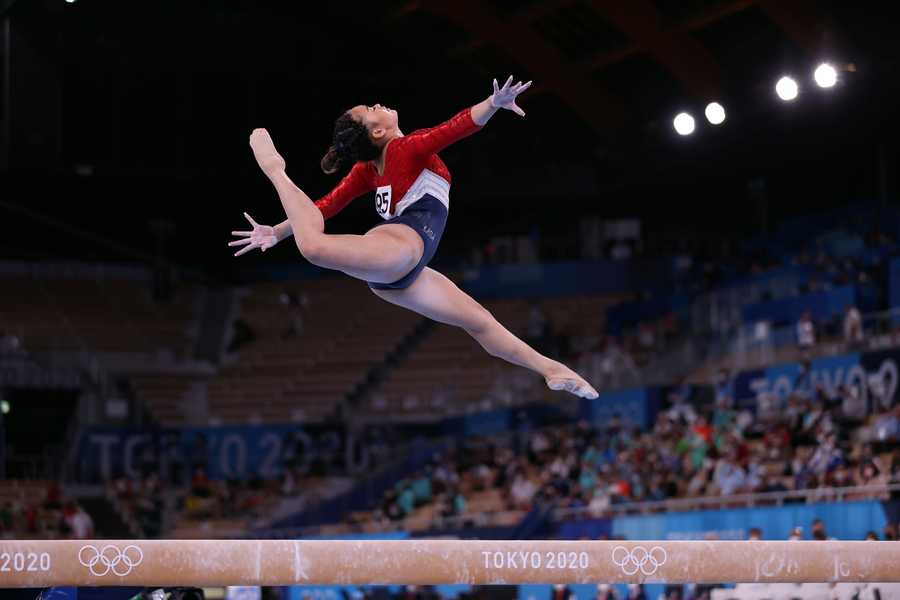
(331, 161)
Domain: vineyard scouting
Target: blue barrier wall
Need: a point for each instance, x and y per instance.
(569, 278)
(845, 520)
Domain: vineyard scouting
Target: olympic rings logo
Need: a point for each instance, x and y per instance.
(110, 559)
(639, 559)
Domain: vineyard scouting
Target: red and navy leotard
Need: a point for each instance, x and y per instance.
(412, 169)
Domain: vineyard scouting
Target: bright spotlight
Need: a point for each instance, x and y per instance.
(684, 124)
(715, 113)
(786, 88)
(4, 407)
(825, 75)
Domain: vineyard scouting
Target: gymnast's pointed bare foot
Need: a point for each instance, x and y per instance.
(561, 377)
(264, 150)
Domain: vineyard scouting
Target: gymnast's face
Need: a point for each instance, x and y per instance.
(379, 120)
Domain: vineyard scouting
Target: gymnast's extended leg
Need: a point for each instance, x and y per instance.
(436, 297)
(383, 255)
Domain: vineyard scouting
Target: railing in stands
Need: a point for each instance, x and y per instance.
(829, 494)
(756, 344)
(753, 346)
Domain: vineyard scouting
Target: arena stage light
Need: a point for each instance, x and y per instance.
(825, 75)
(715, 113)
(786, 88)
(683, 123)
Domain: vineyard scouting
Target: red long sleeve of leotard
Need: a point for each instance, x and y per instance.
(354, 184)
(435, 139)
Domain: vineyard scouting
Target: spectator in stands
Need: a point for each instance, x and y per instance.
(636, 592)
(806, 334)
(853, 327)
(406, 499)
(853, 405)
(458, 502)
(53, 499)
(200, 484)
(522, 491)
(646, 338)
(724, 385)
(539, 444)
(826, 456)
(681, 409)
(606, 592)
(600, 501)
(729, 477)
(869, 474)
(560, 592)
(148, 507)
(697, 484)
(887, 425)
(79, 523)
(818, 530)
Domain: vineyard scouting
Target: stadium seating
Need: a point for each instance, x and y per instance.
(105, 315)
(346, 331)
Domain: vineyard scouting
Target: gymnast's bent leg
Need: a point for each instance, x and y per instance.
(436, 297)
(383, 255)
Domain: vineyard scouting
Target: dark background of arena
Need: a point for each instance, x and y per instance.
(102, 94)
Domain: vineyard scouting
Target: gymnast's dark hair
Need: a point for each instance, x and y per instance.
(349, 144)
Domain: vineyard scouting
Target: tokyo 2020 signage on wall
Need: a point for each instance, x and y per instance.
(223, 452)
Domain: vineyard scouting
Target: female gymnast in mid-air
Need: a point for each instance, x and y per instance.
(412, 195)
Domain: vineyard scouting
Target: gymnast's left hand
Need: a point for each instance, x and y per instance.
(505, 97)
(261, 236)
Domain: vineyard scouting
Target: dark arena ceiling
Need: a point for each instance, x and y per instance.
(138, 112)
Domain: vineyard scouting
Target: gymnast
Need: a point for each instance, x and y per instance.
(412, 195)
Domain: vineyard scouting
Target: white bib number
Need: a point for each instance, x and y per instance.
(383, 201)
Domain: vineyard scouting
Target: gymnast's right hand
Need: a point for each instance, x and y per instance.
(262, 237)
